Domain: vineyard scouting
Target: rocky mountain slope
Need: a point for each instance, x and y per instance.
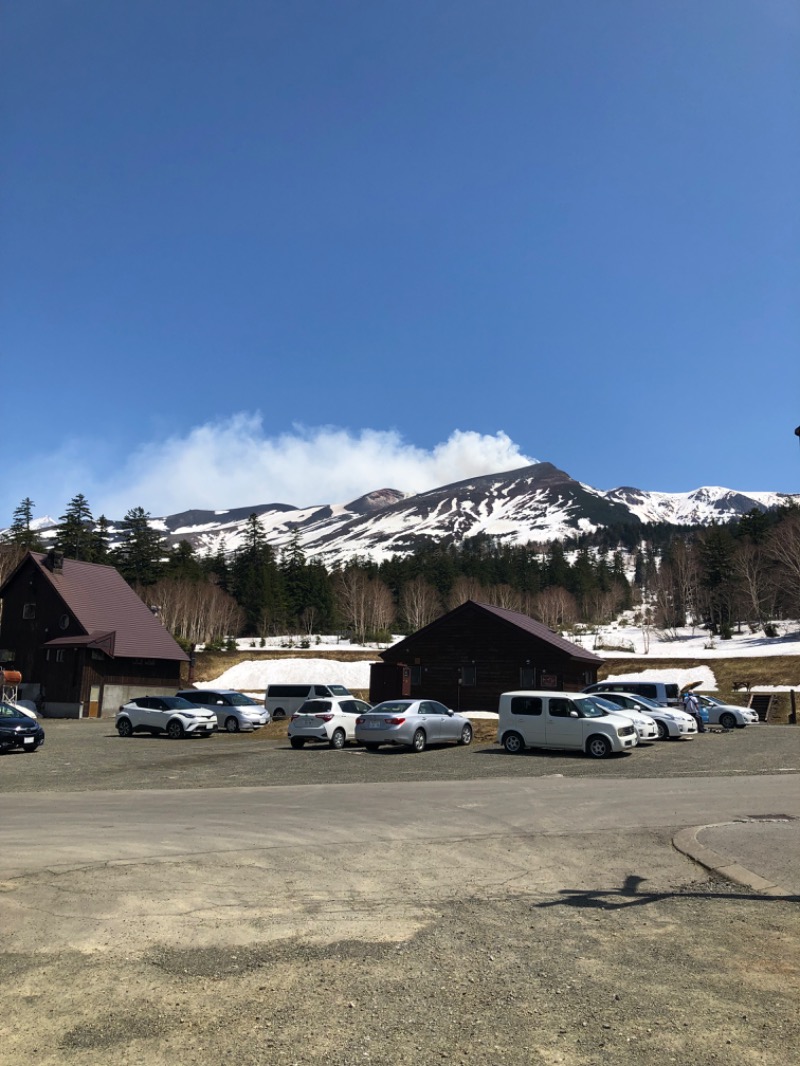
(536, 503)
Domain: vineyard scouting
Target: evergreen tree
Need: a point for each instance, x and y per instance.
(20, 532)
(716, 550)
(256, 581)
(75, 532)
(101, 541)
(182, 562)
(139, 555)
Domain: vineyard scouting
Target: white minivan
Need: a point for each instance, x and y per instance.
(668, 695)
(282, 701)
(531, 719)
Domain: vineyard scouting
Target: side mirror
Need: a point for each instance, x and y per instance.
(574, 714)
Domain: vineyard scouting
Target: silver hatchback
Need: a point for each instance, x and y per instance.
(413, 723)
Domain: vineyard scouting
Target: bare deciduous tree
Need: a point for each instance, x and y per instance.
(556, 607)
(195, 611)
(752, 569)
(419, 603)
(505, 596)
(465, 588)
(783, 546)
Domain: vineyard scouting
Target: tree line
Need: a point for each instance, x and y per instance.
(722, 576)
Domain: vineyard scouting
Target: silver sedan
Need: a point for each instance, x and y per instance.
(413, 723)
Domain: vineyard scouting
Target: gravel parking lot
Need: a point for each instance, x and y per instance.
(565, 935)
(88, 754)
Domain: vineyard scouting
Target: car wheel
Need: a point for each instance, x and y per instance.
(231, 724)
(663, 732)
(174, 729)
(727, 720)
(598, 747)
(513, 743)
(338, 740)
(278, 713)
(125, 727)
(418, 743)
(466, 736)
(297, 742)
(371, 747)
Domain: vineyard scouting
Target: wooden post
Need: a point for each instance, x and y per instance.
(793, 712)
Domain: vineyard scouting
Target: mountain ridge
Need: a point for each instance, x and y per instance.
(532, 504)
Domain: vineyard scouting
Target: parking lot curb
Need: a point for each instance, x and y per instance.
(687, 843)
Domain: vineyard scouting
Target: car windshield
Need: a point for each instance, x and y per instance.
(608, 705)
(6, 711)
(238, 699)
(338, 690)
(647, 702)
(177, 703)
(594, 707)
(391, 708)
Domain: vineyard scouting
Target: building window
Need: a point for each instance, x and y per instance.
(527, 677)
(59, 655)
(29, 610)
(467, 676)
(416, 675)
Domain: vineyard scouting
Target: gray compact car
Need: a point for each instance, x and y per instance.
(413, 723)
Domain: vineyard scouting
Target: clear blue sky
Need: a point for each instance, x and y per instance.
(254, 250)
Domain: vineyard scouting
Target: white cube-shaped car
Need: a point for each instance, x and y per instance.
(545, 719)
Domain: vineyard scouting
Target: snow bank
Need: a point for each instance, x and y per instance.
(702, 676)
(253, 676)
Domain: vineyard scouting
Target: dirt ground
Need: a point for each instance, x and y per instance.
(542, 950)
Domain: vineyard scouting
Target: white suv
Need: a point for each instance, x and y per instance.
(331, 720)
(164, 714)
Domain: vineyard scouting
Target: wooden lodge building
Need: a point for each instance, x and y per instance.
(466, 658)
(82, 639)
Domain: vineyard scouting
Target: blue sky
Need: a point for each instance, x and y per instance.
(257, 251)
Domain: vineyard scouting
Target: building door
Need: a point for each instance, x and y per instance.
(95, 693)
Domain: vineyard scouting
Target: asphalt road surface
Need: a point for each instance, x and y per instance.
(233, 900)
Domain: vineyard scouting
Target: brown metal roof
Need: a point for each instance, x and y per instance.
(520, 621)
(538, 629)
(109, 611)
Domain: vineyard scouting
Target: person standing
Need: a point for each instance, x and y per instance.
(691, 704)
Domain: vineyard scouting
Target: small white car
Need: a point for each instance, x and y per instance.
(164, 714)
(716, 712)
(547, 719)
(646, 728)
(671, 723)
(331, 720)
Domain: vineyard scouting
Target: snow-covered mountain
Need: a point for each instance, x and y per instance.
(534, 504)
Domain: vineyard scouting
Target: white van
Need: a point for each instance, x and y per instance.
(282, 701)
(666, 695)
(531, 719)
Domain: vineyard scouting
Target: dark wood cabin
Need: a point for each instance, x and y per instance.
(82, 639)
(467, 658)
